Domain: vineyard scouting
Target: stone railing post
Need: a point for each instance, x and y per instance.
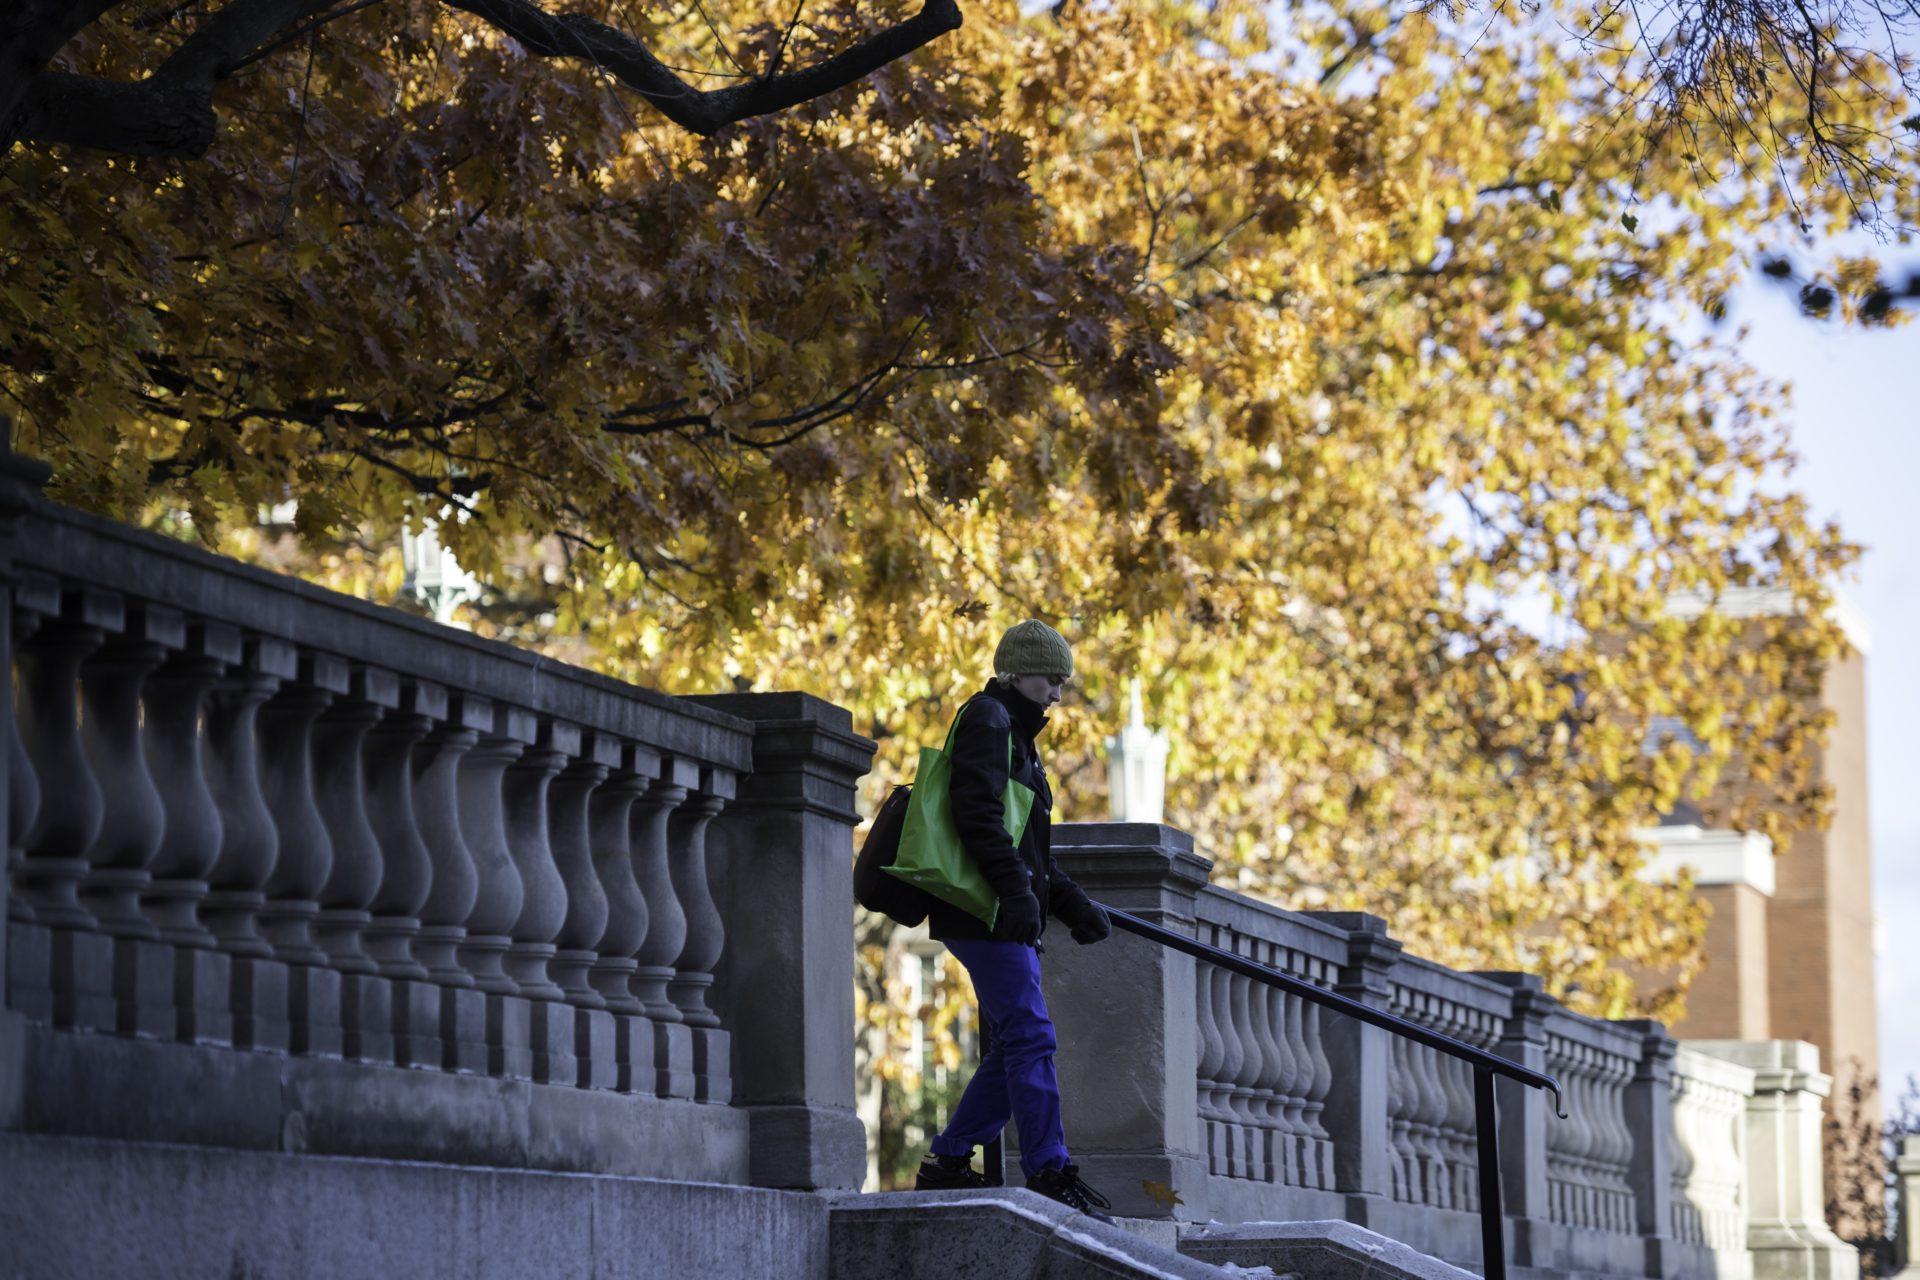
(1124, 1009)
(1362, 1056)
(1649, 1114)
(1906, 1167)
(1786, 1207)
(784, 980)
(1524, 1114)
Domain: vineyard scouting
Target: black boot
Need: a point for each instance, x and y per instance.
(1063, 1184)
(947, 1173)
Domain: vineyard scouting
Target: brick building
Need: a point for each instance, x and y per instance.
(1790, 948)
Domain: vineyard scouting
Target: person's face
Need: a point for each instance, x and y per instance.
(1045, 690)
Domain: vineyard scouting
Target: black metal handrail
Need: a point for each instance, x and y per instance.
(1485, 1067)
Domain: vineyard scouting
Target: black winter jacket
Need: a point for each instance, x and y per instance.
(1000, 713)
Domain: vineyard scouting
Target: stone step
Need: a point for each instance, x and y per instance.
(1325, 1250)
(86, 1208)
(999, 1233)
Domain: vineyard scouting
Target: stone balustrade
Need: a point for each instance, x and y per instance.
(1710, 1100)
(1196, 1093)
(289, 869)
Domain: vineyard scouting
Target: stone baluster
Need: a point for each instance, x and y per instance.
(439, 797)
(1427, 1109)
(483, 823)
(1731, 1199)
(286, 728)
(59, 969)
(1622, 1145)
(346, 899)
(21, 479)
(1229, 1099)
(1401, 1096)
(1589, 1193)
(387, 758)
(448, 1018)
(693, 876)
(612, 817)
(249, 842)
(1457, 1129)
(543, 893)
(501, 894)
(1245, 1078)
(570, 811)
(48, 706)
(176, 700)
(1212, 1055)
(1599, 1190)
(132, 819)
(23, 787)
(1309, 1018)
(1271, 1089)
(1295, 1081)
(666, 929)
(570, 808)
(340, 792)
(1686, 1224)
(1564, 1139)
(1607, 1178)
(30, 599)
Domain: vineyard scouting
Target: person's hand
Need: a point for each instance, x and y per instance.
(1088, 923)
(1019, 919)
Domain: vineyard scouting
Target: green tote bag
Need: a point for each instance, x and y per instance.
(931, 856)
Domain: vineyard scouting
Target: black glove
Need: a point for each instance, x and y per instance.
(1088, 922)
(1019, 919)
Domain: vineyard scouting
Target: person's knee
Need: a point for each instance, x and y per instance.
(1028, 1039)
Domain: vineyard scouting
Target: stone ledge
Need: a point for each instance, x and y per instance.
(103, 1086)
(80, 1208)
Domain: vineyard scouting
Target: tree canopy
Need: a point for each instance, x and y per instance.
(1289, 370)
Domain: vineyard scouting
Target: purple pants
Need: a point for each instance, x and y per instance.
(1015, 1079)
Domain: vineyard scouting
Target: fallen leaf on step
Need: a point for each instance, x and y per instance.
(1160, 1193)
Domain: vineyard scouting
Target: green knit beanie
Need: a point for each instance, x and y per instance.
(1032, 648)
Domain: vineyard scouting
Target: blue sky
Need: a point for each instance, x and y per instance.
(1855, 416)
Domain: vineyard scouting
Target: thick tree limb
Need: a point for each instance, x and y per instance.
(575, 35)
(171, 111)
(31, 32)
(168, 113)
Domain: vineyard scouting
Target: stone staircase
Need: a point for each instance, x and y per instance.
(1015, 1234)
(81, 1208)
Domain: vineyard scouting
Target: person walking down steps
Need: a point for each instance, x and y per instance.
(1015, 1079)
